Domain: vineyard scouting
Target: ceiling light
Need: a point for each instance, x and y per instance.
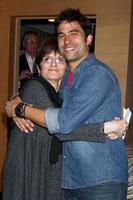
(51, 20)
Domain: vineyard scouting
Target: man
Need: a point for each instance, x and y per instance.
(27, 59)
(91, 93)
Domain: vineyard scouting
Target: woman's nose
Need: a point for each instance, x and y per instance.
(54, 62)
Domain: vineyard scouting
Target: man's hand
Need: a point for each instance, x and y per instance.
(10, 106)
(25, 125)
(115, 128)
(25, 74)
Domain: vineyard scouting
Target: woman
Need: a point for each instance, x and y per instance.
(33, 165)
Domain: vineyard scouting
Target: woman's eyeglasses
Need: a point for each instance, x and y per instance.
(50, 60)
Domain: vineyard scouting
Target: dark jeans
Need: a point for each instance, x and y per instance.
(105, 191)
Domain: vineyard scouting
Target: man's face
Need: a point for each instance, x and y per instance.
(72, 42)
(30, 44)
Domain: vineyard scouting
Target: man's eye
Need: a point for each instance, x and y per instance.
(60, 36)
(74, 34)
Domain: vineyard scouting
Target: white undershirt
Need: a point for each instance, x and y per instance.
(30, 61)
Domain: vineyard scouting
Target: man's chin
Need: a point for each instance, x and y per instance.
(70, 57)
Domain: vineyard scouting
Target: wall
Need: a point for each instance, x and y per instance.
(112, 39)
(129, 88)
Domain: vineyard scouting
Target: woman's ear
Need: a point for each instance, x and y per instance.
(89, 39)
(38, 69)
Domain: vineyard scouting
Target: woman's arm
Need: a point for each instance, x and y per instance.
(97, 132)
(87, 132)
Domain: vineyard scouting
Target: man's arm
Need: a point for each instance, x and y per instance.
(113, 129)
(24, 124)
(34, 114)
(93, 99)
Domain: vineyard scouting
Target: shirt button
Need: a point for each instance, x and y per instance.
(64, 157)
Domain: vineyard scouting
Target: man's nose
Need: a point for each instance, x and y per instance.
(67, 39)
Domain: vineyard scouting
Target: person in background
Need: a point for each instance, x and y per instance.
(27, 66)
(91, 93)
(27, 58)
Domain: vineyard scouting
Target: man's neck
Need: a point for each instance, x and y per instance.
(30, 55)
(72, 65)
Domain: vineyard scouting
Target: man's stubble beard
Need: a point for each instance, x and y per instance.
(70, 57)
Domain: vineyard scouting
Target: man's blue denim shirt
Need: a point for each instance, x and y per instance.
(94, 96)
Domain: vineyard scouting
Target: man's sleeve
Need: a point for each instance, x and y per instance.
(88, 97)
(51, 119)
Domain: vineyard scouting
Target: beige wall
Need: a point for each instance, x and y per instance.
(112, 39)
(129, 85)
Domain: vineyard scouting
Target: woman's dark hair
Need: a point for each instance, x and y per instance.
(71, 15)
(47, 46)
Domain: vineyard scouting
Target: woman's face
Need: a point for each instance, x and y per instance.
(53, 66)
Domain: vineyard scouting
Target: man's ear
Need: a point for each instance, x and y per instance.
(89, 39)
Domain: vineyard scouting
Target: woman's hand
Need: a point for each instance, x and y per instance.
(115, 128)
(25, 125)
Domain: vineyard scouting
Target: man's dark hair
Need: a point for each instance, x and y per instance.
(71, 15)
